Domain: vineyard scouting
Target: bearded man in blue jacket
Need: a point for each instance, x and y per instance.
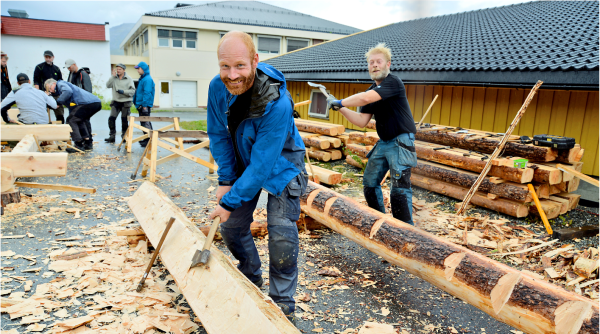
(256, 145)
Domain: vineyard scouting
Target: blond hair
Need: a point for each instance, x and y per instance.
(243, 37)
(380, 49)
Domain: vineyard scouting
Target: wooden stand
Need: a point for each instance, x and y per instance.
(129, 140)
(161, 139)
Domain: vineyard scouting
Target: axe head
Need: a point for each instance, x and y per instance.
(200, 258)
(312, 84)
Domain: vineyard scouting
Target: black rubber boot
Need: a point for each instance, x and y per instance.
(288, 313)
(88, 144)
(113, 130)
(110, 139)
(61, 119)
(78, 145)
(124, 126)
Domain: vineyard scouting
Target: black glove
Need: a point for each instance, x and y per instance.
(120, 91)
(333, 103)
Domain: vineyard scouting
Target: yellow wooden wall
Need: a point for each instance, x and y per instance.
(557, 112)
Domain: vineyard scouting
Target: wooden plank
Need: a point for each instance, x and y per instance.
(44, 132)
(35, 164)
(187, 150)
(580, 175)
(183, 134)
(532, 306)
(55, 187)
(222, 298)
(153, 119)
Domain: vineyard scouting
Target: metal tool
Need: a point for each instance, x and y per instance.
(201, 257)
(169, 224)
(134, 175)
(321, 87)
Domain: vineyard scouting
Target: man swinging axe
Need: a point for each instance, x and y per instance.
(386, 99)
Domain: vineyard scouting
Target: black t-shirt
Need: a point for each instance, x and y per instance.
(237, 113)
(392, 112)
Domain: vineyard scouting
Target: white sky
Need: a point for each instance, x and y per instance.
(355, 13)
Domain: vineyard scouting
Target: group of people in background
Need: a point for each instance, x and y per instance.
(51, 92)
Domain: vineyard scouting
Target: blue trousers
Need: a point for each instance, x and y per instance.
(282, 213)
(397, 155)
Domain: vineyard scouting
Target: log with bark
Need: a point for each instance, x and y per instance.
(487, 145)
(509, 190)
(333, 141)
(335, 154)
(316, 142)
(507, 294)
(259, 228)
(329, 129)
(10, 196)
(551, 209)
(222, 298)
(472, 162)
(569, 156)
(367, 138)
(506, 206)
(359, 150)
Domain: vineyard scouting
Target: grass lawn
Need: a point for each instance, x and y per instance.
(193, 125)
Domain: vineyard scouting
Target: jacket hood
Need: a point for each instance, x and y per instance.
(144, 67)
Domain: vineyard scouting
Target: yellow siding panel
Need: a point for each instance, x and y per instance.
(477, 111)
(575, 115)
(516, 101)
(558, 117)
(528, 119)
(542, 114)
(456, 106)
(489, 109)
(419, 104)
(437, 107)
(427, 98)
(446, 105)
(589, 134)
(466, 107)
(502, 102)
(410, 94)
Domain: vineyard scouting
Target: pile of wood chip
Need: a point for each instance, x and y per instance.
(95, 292)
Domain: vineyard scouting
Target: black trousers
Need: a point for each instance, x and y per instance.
(79, 118)
(147, 125)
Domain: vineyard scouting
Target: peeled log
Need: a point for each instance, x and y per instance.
(455, 159)
(325, 175)
(488, 145)
(546, 174)
(333, 141)
(319, 155)
(551, 209)
(316, 142)
(569, 156)
(514, 191)
(350, 160)
(335, 154)
(506, 206)
(319, 127)
(359, 149)
(531, 307)
(371, 125)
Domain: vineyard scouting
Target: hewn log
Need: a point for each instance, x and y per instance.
(359, 149)
(335, 154)
(350, 160)
(222, 298)
(546, 174)
(565, 203)
(509, 190)
(533, 306)
(487, 145)
(345, 139)
(319, 155)
(42, 132)
(259, 228)
(10, 196)
(456, 159)
(371, 125)
(568, 156)
(325, 175)
(551, 209)
(573, 199)
(8, 178)
(506, 206)
(26, 161)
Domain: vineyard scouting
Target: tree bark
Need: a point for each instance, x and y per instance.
(471, 163)
(11, 196)
(506, 206)
(513, 191)
(488, 145)
(259, 228)
(319, 127)
(569, 156)
(319, 155)
(530, 305)
(316, 142)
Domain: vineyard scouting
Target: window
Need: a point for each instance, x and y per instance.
(190, 39)
(177, 36)
(268, 44)
(164, 87)
(221, 34)
(190, 44)
(177, 43)
(318, 105)
(163, 38)
(295, 44)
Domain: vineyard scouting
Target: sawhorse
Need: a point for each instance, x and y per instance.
(129, 140)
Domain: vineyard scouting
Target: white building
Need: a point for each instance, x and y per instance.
(180, 44)
(24, 40)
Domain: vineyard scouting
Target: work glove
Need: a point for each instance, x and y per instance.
(120, 91)
(333, 103)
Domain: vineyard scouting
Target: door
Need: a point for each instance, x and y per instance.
(184, 94)
(165, 94)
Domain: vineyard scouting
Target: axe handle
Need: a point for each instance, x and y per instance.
(211, 233)
(169, 224)
(324, 91)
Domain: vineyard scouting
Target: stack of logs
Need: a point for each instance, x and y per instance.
(450, 160)
(322, 140)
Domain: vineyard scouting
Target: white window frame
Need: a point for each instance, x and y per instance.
(307, 40)
(178, 39)
(183, 44)
(268, 36)
(190, 40)
(313, 115)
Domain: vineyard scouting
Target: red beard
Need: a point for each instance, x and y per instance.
(238, 90)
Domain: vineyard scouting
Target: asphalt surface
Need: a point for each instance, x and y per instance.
(414, 305)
